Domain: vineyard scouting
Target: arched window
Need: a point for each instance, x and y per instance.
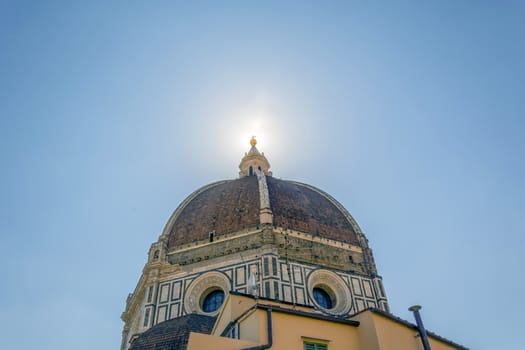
(213, 301)
(156, 255)
(322, 298)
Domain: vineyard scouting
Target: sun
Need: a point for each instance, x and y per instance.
(253, 128)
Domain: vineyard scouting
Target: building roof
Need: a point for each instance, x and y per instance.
(231, 206)
(257, 198)
(411, 325)
(348, 320)
(307, 209)
(223, 207)
(173, 334)
(311, 315)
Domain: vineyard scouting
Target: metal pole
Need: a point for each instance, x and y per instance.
(422, 332)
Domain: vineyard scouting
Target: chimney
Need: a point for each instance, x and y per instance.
(422, 332)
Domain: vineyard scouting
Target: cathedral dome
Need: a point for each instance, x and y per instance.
(230, 206)
(271, 238)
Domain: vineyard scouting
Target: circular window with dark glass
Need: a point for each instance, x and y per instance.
(213, 301)
(323, 298)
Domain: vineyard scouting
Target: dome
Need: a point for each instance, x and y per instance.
(231, 206)
(259, 235)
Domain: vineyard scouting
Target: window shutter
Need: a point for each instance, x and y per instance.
(309, 346)
(315, 346)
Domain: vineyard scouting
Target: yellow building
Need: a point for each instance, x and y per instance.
(265, 263)
(247, 322)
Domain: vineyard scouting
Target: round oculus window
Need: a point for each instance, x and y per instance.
(329, 292)
(213, 301)
(322, 298)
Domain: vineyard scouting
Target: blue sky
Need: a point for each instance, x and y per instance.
(409, 113)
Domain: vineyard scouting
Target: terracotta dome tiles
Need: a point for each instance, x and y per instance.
(225, 208)
(234, 205)
(302, 209)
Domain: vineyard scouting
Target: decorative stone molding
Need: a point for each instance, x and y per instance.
(201, 287)
(334, 286)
